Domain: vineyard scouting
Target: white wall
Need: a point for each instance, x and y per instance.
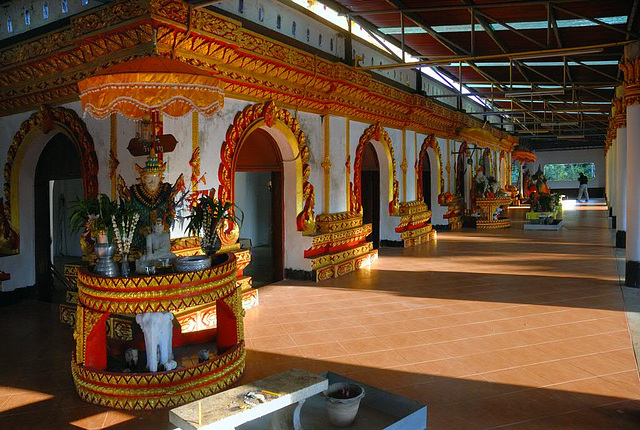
(572, 156)
(16, 11)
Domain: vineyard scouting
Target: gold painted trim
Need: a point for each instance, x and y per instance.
(348, 163)
(326, 164)
(403, 165)
(114, 153)
(195, 150)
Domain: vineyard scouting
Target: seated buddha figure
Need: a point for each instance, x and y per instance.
(151, 197)
(158, 247)
(158, 243)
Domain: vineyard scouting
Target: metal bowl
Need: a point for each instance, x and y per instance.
(192, 264)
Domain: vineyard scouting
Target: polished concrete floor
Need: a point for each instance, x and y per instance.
(499, 329)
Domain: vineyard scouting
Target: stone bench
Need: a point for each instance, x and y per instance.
(227, 410)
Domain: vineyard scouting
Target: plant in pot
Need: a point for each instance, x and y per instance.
(92, 217)
(208, 215)
(343, 401)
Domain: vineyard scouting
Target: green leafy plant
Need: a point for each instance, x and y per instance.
(93, 215)
(208, 214)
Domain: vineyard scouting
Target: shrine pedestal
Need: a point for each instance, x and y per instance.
(99, 297)
(488, 207)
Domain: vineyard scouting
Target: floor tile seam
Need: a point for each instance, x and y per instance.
(569, 308)
(544, 387)
(556, 360)
(515, 318)
(524, 346)
(511, 290)
(522, 365)
(574, 299)
(47, 409)
(540, 362)
(556, 415)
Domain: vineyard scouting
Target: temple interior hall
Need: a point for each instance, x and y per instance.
(320, 214)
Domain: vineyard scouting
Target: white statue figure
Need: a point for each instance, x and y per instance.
(158, 243)
(158, 335)
(158, 246)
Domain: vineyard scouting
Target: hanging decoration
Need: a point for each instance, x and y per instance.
(146, 85)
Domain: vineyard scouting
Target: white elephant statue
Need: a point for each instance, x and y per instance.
(158, 335)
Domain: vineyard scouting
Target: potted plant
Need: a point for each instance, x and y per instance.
(92, 217)
(343, 401)
(208, 215)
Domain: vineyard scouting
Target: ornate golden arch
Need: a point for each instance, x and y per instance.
(44, 121)
(375, 132)
(429, 142)
(251, 118)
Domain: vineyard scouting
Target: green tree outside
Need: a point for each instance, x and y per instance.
(569, 171)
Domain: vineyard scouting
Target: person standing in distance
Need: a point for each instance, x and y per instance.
(583, 191)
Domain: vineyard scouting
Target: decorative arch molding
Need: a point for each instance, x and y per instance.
(429, 142)
(378, 133)
(46, 120)
(268, 114)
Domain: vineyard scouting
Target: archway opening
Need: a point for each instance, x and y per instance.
(57, 185)
(371, 192)
(258, 191)
(427, 180)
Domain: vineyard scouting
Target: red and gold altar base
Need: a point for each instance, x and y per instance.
(414, 227)
(455, 210)
(340, 246)
(488, 207)
(150, 84)
(99, 297)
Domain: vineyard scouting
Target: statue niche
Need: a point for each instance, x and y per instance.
(152, 198)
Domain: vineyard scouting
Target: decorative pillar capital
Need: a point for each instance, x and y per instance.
(618, 113)
(631, 70)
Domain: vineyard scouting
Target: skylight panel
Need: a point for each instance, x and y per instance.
(538, 63)
(521, 25)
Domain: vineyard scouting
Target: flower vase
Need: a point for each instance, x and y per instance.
(125, 271)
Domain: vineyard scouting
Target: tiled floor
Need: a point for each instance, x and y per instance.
(506, 329)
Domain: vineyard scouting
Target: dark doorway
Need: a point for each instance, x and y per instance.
(371, 193)
(59, 164)
(259, 192)
(426, 180)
